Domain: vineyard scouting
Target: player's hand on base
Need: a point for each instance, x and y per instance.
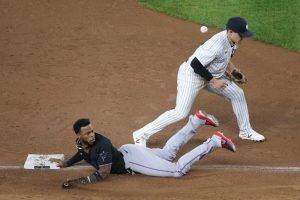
(60, 163)
(218, 83)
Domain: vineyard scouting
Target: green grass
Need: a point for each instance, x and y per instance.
(275, 22)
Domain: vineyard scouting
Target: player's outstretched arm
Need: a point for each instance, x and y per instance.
(101, 174)
(63, 163)
(60, 163)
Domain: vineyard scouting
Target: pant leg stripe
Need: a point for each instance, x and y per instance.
(200, 157)
(160, 170)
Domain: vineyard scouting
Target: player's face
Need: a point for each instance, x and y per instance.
(234, 37)
(87, 134)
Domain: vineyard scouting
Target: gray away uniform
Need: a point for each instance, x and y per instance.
(158, 162)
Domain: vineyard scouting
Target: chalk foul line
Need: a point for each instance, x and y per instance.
(254, 168)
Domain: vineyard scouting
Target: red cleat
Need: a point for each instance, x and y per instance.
(210, 119)
(226, 142)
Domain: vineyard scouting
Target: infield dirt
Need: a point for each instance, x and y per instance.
(116, 63)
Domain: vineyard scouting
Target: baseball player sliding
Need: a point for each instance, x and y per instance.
(209, 68)
(98, 151)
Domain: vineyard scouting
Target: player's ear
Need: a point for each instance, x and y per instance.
(79, 136)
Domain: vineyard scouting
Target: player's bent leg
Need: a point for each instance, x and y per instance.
(178, 140)
(240, 109)
(237, 97)
(188, 86)
(144, 161)
(141, 136)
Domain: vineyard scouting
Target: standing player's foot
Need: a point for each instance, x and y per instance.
(225, 142)
(210, 119)
(252, 135)
(139, 140)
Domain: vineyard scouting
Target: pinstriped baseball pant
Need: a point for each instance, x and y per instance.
(188, 86)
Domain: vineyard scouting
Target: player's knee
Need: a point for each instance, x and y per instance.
(179, 173)
(169, 155)
(180, 115)
(239, 94)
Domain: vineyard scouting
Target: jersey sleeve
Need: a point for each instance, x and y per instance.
(74, 159)
(206, 53)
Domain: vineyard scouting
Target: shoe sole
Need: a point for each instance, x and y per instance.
(245, 138)
(210, 118)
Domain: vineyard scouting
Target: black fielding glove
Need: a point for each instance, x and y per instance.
(237, 76)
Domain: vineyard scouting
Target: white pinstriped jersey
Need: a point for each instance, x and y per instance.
(215, 54)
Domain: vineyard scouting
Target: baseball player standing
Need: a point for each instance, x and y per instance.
(209, 67)
(98, 151)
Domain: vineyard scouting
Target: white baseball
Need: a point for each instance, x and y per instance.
(203, 29)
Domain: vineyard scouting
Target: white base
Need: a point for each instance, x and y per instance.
(41, 161)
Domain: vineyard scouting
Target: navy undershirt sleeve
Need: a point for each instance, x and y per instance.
(200, 69)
